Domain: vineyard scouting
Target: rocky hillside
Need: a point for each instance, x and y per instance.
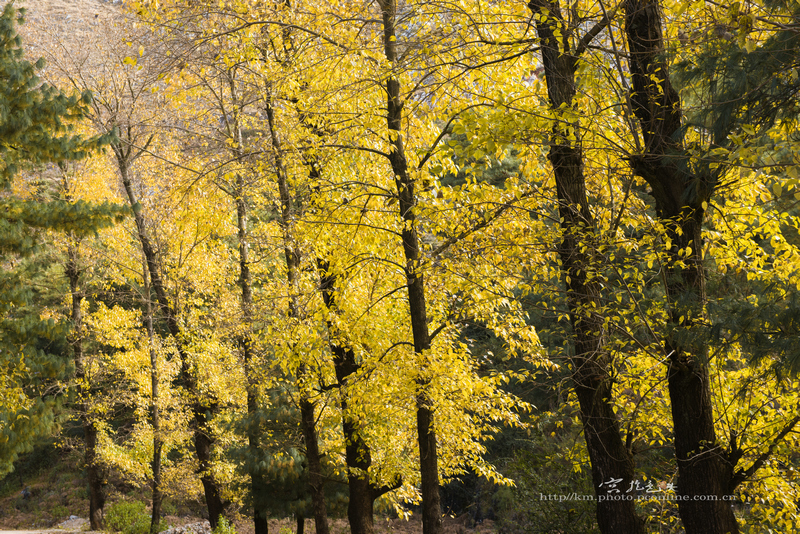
(64, 22)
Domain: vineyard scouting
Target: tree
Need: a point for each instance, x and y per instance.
(125, 104)
(418, 313)
(680, 198)
(591, 364)
(663, 150)
(682, 189)
(35, 129)
(88, 378)
(307, 166)
(313, 141)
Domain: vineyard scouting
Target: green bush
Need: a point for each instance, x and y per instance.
(540, 470)
(59, 512)
(122, 514)
(224, 527)
(130, 517)
(168, 508)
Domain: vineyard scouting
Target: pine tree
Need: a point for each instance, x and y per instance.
(35, 130)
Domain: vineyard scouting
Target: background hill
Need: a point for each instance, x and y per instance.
(73, 18)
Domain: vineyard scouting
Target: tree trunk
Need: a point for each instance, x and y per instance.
(314, 459)
(203, 444)
(358, 456)
(292, 257)
(202, 438)
(609, 457)
(257, 483)
(426, 430)
(94, 474)
(155, 515)
(704, 470)
(94, 477)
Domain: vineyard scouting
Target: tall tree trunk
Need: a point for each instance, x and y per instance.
(94, 477)
(203, 439)
(94, 473)
(358, 456)
(315, 479)
(204, 442)
(257, 482)
(258, 485)
(704, 469)
(158, 494)
(609, 457)
(292, 256)
(426, 431)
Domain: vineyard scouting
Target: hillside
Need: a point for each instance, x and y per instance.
(70, 19)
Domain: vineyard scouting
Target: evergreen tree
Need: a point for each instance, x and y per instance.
(35, 130)
(281, 461)
(745, 100)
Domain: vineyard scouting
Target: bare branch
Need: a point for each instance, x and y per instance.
(736, 452)
(594, 32)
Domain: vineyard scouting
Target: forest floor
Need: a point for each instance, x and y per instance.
(57, 498)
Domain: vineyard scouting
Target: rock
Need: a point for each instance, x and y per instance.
(74, 523)
(203, 527)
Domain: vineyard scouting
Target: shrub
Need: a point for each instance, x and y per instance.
(130, 517)
(224, 527)
(540, 469)
(59, 512)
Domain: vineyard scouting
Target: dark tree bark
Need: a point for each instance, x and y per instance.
(94, 472)
(358, 456)
(158, 495)
(257, 482)
(203, 440)
(407, 200)
(704, 468)
(314, 460)
(203, 443)
(592, 382)
(94, 477)
(292, 255)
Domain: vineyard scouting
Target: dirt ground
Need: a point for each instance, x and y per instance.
(339, 526)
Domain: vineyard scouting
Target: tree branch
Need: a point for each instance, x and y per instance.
(445, 131)
(483, 224)
(594, 32)
(743, 474)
